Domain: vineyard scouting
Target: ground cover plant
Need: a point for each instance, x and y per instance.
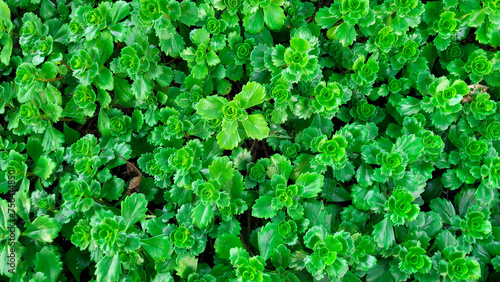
(249, 140)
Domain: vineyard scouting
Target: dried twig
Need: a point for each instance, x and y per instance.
(136, 175)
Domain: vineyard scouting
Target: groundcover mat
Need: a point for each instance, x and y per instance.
(249, 140)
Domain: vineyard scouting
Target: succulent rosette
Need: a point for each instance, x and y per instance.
(366, 72)
(109, 234)
(400, 207)
(414, 258)
(476, 223)
(458, 266)
(478, 65)
(482, 106)
(386, 39)
(328, 96)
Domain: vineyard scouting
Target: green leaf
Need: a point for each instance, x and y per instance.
(120, 10)
(186, 264)
(221, 169)
(104, 79)
(251, 95)
(256, 127)
(262, 208)
(269, 239)
(383, 233)
(229, 138)
(202, 216)
(44, 167)
(310, 183)
(280, 257)
(48, 261)
(225, 242)
(327, 17)
(254, 22)
(43, 229)
(274, 17)
(211, 107)
(134, 208)
(108, 269)
(6, 52)
(158, 247)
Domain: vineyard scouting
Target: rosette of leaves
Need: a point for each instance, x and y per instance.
(366, 112)
(247, 268)
(392, 158)
(173, 129)
(351, 13)
(241, 49)
(31, 30)
(363, 251)
(82, 235)
(86, 146)
(284, 101)
(91, 21)
(482, 106)
(298, 13)
(453, 52)
(366, 72)
(142, 71)
(447, 26)
(413, 258)
(476, 225)
(289, 149)
(409, 52)
(433, 145)
(213, 25)
(43, 202)
(165, 16)
(277, 194)
(191, 93)
(85, 65)
(386, 39)
(407, 14)
(448, 97)
(230, 8)
(329, 97)
(221, 177)
(288, 230)
(184, 163)
(82, 103)
(118, 124)
(109, 234)
(324, 257)
(400, 208)
(297, 62)
(332, 152)
(478, 65)
(202, 58)
(259, 12)
(394, 85)
(185, 238)
(256, 173)
(491, 130)
(444, 101)
(491, 171)
(79, 195)
(16, 164)
(42, 48)
(234, 115)
(472, 149)
(456, 265)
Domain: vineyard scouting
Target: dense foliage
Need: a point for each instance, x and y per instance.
(249, 140)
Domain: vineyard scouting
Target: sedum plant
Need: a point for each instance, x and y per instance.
(249, 140)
